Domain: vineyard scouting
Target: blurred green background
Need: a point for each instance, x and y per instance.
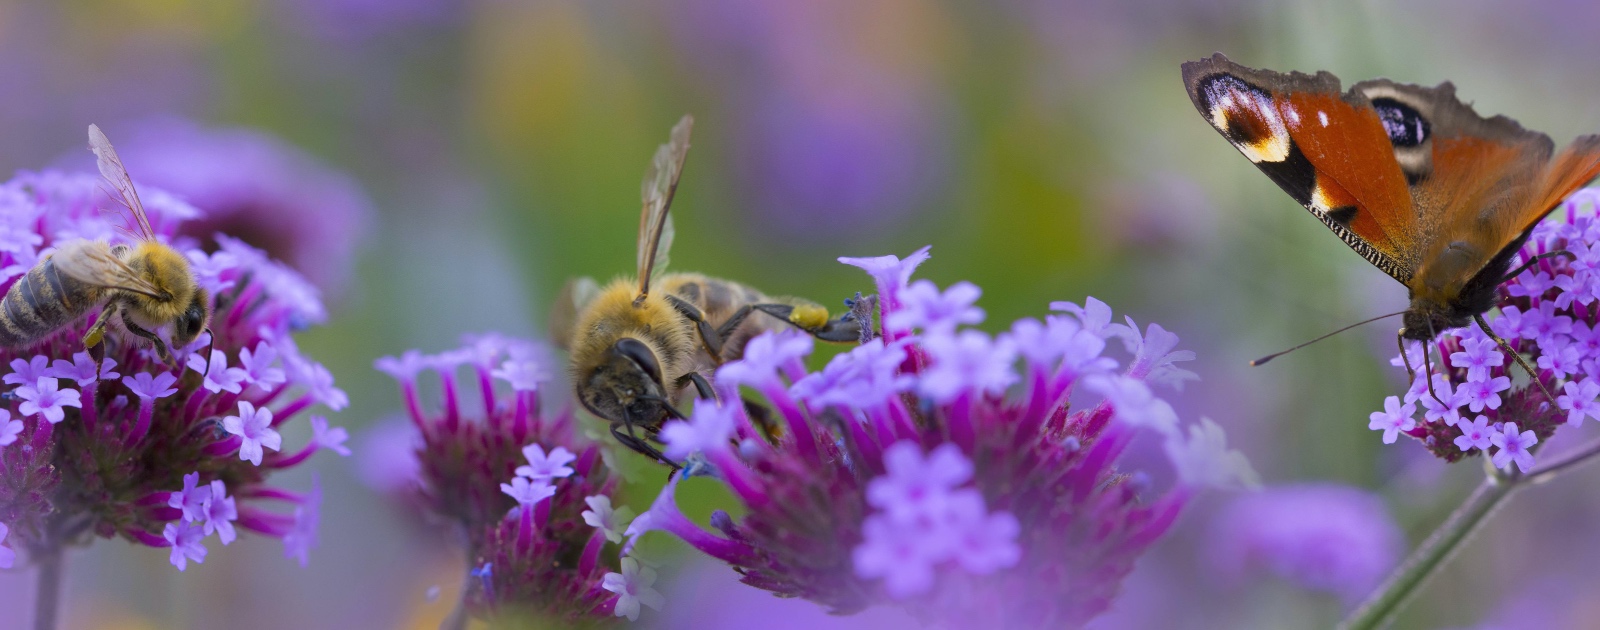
(1045, 149)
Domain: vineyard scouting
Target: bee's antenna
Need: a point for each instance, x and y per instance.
(1279, 354)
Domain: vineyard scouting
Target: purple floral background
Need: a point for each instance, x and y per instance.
(434, 169)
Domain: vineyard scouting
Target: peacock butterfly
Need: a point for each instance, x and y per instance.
(1409, 177)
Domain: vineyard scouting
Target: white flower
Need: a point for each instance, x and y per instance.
(632, 587)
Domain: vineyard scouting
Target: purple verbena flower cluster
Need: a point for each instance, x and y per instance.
(130, 447)
(1481, 402)
(533, 500)
(922, 468)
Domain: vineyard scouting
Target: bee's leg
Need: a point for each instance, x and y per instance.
(814, 320)
(638, 445)
(708, 335)
(161, 346)
(97, 333)
(761, 416)
(1532, 375)
(1534, 261)
(701, 385)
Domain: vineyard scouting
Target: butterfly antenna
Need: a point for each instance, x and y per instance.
(1275, 355)
(1520, 361)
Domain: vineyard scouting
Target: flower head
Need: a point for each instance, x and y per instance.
(922, 464)
(126, 447)
(527, 491)
(1546, 314)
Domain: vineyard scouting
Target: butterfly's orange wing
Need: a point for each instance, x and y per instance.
(1329, 150)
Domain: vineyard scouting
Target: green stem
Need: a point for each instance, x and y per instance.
(47, 604)
(1380, 608)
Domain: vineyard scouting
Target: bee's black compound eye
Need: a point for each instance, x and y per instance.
(641, 355)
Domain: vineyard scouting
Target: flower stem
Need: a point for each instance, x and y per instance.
(48, 602)
(1580, 455)
(1380, 608)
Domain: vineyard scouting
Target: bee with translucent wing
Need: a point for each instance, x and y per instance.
(637, 344)
(141, 287)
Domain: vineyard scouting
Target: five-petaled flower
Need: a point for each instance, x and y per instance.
(1394, 418)
(546, 466)
(633, 588)
(186, 539)
(1513, 447)
(45, 399)
(254, 428)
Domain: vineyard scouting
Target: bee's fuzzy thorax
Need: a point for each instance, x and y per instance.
(612, 317)
(169, 271)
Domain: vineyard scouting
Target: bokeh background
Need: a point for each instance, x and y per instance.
(483, 151)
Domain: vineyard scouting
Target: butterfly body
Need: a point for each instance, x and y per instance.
(1413, 180)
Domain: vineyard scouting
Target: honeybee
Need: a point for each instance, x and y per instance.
(143, 286)
(638, 344)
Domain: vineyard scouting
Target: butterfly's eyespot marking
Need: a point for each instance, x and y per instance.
(1405, 126)
(1409, 132)
(1247, 116)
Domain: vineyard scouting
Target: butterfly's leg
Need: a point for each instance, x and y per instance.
(1427, 364)
(1400, 339)
(1534, 261)
(1520, 361)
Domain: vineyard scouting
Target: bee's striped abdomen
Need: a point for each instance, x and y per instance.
(40, 302)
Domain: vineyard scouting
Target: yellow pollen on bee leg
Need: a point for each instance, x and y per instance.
(809, 317)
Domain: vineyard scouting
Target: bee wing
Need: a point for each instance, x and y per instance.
(575, 296)
(660, 183)
(116, 174)
(92, 262)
